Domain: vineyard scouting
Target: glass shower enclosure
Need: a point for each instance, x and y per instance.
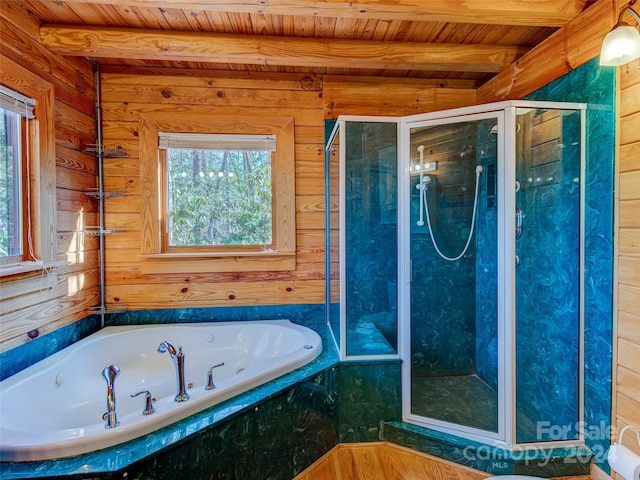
(362, 240)
(456, 236)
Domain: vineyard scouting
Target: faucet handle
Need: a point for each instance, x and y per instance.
(210, 384)
(148, 404)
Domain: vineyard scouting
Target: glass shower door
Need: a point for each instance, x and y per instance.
(547, 274)
(455, 367)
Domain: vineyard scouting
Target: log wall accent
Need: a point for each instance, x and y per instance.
(578, 42)
(181, 46)
(351, 95)
(33, 304)
(627, 368)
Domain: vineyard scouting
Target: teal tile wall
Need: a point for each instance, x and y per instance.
(369, 395)
(595, 85)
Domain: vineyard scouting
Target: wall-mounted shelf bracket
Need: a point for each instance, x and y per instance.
(99, 231)
(96, 193)
(100, 310)
(99, 150)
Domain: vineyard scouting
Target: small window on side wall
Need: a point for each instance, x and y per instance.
(27, 172)
(216, 199)
(14, 220)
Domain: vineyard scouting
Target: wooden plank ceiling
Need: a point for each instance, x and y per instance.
(440, 39)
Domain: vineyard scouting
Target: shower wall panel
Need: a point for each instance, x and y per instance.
(595, 86)
(363, 196)
(548, 147)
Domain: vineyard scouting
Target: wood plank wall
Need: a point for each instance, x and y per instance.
(39, 308)
(627, 368)
(126, 93)
(394, 97)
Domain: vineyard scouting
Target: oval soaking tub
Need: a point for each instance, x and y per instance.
(56, 408)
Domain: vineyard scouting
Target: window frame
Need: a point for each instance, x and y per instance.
(42, 170)
(281, 257)
(22, 198)
(250, 145)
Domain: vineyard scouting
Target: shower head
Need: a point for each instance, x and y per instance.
(479, 169)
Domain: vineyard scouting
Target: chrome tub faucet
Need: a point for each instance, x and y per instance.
(110, 373)
(148, 402)
(210, 385)
(178, 360)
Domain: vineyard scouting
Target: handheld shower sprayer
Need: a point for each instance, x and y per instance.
(423, 186)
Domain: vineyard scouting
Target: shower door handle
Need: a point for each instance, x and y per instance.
(519, 216)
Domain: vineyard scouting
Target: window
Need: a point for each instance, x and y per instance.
(216, 198)
(13, 216)
(217, 192)
(27, 172)
(37, 185)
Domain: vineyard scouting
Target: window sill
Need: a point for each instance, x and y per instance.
(28, 267)
(224, 262)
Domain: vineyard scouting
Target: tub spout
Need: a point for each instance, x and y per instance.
(110, 373)
(178, 360)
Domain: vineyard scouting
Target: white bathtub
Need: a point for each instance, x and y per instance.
(55, 408)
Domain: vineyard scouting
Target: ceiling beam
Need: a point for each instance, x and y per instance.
(129, 43)
(553, 13)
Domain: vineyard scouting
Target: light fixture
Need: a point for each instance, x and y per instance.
(622, 43)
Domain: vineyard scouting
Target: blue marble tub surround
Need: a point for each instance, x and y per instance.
(310, 315)
(271, 439)
(274, 441)
(117, 458)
